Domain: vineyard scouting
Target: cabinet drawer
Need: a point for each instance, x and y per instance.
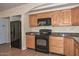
(56, 50)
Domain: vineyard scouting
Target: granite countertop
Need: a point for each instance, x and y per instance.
(75, 36)
(65, 34)
(56, 34)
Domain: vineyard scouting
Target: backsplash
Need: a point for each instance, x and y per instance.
(36, 29)
(69, 29)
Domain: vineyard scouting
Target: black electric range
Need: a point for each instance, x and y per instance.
(42, 40)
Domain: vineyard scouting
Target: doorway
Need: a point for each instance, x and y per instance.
(4, 30)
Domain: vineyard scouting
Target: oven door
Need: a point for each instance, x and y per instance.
(42, 44)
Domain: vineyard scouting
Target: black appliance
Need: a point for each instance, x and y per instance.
(42, 40)
(15, 27)
(44, 21)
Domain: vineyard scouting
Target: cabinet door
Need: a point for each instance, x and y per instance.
(69, 46)
(30, 41)
(61, 18)
(44, 15)
(33, 20)
(56, 41)
(77, 52)
(75, 16)
(66, 17)
(76, 49)
(56, 18)
(56, 45)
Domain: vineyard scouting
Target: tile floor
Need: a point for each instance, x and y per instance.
(5, 50)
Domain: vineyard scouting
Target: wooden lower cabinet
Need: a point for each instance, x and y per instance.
(56, 45)
(69, 47)
(30, 41)
(63, 45)
(76, 49)
(60, 45)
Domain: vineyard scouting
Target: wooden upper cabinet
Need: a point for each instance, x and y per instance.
(66, 17)
(33, 20)
(61, 17)
(44, 15)
(56, 18)
(75, 16)
(30, 41)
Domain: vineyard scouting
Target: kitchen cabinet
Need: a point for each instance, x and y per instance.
(55, 18)
(44, 15)
(30, 41)
(66, 17)
(69, 46)
(61, 17)
(56, 45)
(76, 49)
(63, 45)
(75, 16)
(33, 20)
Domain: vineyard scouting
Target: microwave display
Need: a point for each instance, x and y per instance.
(44, 22)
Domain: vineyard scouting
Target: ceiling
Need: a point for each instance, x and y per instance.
(5, 6)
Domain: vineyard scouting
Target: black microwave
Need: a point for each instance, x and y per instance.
(44, 21)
